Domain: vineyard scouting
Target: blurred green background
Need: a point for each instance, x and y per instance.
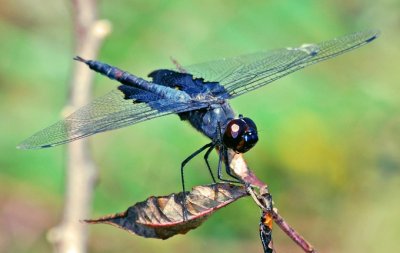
(329, 135)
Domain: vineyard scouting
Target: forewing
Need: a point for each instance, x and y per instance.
(248, 72)
(105, 113)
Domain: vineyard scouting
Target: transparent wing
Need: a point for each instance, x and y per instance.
(105, 113)
(248, 72)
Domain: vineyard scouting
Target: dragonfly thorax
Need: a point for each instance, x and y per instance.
(240, 134)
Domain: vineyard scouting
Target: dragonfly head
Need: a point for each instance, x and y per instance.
(240, 134)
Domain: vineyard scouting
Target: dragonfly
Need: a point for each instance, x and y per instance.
(198, 94)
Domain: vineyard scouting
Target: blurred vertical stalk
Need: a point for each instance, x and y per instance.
(81, 173)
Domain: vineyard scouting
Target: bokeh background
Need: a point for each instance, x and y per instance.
(329, 135)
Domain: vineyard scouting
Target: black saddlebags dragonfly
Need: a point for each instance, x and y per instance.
(198, 94)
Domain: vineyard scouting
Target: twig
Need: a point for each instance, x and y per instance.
(264, 201)
(296, 237)
(177, 65)
(70, 235)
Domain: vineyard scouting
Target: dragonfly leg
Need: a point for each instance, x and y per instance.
(183, 178)
(223, 157)
(206, 155)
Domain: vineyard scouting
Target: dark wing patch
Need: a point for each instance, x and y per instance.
(185, 82)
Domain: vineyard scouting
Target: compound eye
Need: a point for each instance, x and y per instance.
(250, 123)
(240, 135)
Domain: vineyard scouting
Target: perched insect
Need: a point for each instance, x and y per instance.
(198, 94)
(265, 225)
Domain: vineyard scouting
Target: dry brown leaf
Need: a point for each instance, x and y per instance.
(162, 217)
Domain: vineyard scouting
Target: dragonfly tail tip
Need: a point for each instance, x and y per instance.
(78, 58)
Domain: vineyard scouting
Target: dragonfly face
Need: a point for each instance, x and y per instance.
(240, 135)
